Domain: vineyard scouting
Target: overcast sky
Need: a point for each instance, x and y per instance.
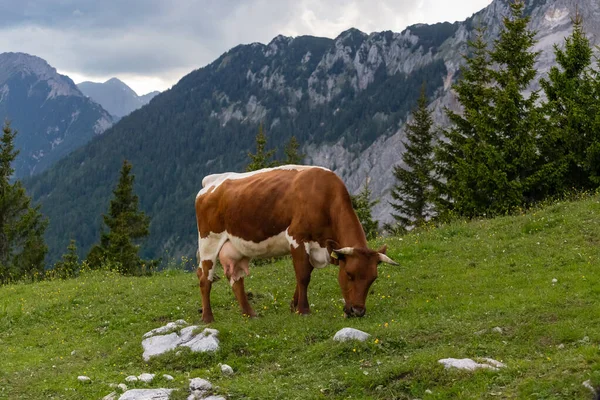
(151, 44)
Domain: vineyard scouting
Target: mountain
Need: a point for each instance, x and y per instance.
(115, 96)
(52, 116)
(346, 100)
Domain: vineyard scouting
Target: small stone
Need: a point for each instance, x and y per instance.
(131, 378)
(168, 377)
(200, 384)
(588, 384)
(146, 394)
(428, 391)
(470, 365)
(146, 378)
(122, 386)
(350, 334)
(226, 369)
(497, 330)
(84, 379)
(481, 332)
(110, 396)
(561, 346)
(73, 353)
(554, 281)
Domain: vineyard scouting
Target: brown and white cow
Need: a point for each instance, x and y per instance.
(305, 211)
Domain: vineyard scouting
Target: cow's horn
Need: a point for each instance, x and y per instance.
(386, 259)
(348, 251)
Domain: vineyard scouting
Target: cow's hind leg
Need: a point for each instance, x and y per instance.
(204, 272)
(303, 270)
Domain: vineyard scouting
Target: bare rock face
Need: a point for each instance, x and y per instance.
(155, 344)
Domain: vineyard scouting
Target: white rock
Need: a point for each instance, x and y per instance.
(554, 280)
(146, 378)
(214, 398)
(470, 365)
(73, 353)
(84, 379)
(146, 394)
(205, 341)
(122, 386)
(131, 378)
(428, 391)
(168, 377)
(226, 369)
(497, 329)
(186, 334)
(168, 327)
(588, 384)
(200, 384)
(110, 396)
(561, 346)
(159, 344)
(350, 334)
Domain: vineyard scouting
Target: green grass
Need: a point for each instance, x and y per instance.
(453, 281)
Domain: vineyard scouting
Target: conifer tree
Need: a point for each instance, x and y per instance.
(569, 135)
(22, 227)
(291, 152)
(262, 158)
(363, 206)
(69, 265)
(490, 160)
(126, 225)
(413, 192)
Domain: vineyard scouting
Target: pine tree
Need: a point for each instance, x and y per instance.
(291, 152)
(363, 206)
(22, 227)
(261, 159)
(126, 225)
(413, 192)
(570, 108)
(69, 265)
(490, 160)
(466, 160)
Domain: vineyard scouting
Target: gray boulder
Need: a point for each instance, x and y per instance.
(350, 334)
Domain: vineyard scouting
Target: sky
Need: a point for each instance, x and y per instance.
(151, 44)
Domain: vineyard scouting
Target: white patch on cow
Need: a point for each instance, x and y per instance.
(208, 250)
(274, 246)
(211, 182)
(291, 240)
(317, 255)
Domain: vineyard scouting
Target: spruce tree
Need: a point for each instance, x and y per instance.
(363, 206)
(568, 138)
(22, 227)
(126, 225)
(262, 158)
(413, 192)
(490, 160)
(69, 265)
(291, 152)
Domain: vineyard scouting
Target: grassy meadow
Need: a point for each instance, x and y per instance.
(453, 286)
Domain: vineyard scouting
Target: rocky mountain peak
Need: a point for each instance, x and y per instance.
(22, 64)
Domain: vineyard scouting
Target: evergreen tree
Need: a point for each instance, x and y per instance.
(261, 159)
(363, 206)
(126, 224)
(569, 136)
(69, 265)
(413, 192)
(291, 152)
(491, 157)
(22, 227)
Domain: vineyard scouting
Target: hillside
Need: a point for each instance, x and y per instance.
(51, 115)
(115, 96)
(454, 285)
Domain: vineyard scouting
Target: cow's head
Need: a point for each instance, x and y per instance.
(358, 271)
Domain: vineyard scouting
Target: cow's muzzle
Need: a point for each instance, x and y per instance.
(355, 311)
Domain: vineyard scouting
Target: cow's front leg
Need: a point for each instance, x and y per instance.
(303, 270)
(205, 273)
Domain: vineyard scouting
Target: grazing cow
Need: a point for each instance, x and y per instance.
(305, 211)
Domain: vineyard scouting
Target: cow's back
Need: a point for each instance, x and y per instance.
(263, 204)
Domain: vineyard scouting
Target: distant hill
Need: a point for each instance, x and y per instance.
(345, 99)
(115, 96)
(52, 116)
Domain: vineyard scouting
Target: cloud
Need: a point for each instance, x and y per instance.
(163, 40)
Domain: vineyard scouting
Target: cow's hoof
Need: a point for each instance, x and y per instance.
(207, 319)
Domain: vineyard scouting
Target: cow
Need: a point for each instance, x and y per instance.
(304, 211)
